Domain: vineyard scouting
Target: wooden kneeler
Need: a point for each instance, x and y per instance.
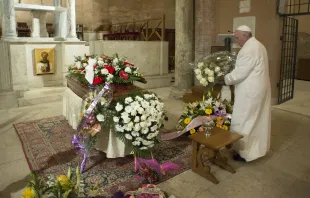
(211, 146)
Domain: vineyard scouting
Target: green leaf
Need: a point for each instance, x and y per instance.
(69, 173)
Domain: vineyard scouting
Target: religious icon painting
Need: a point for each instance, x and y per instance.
(44, 61)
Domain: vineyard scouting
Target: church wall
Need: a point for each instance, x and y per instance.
(93, 13)
(268, 30)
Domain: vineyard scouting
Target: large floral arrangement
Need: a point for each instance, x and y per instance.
(112, 69)
(210, 69)
(216, 109)
(136, 119)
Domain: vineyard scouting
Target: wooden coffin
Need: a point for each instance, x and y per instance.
(119, 90)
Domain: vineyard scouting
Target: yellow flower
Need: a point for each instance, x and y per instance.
(28, 193)
(225, 127)
(219, 126)
(64, 182)
(219, 118)
(187, 120)
(192, 131)
(208, 111)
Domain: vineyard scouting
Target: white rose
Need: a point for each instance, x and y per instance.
(109, 77)
(207, 71)
(217, 69)
(211, 74)
(118, 107)
(119, 128)
(199, 77)
(116, 119)
(130, 125)
(100, 117)
(128, 70)
(197, 71)
(211, 79)
(104, 71)
(128, 136)
(200, 64)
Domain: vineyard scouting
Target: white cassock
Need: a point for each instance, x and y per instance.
(251, 112)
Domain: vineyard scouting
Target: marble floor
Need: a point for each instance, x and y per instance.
(283, 173)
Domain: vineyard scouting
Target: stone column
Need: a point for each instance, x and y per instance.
(43, 30)
(71, 19)
(8, 20)
(183, 48)
(205, 25)
(57, 3)
(35, 31)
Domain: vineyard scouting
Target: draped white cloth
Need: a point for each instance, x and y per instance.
(251, 112)
(107, 141)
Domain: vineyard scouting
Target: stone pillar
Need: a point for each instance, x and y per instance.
(205, 25)
(8, 20)
(57, 3)
(71, 19)
(183, 48)
(43, 30)
(35, 32)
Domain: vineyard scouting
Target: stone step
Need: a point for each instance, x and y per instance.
(41, 96)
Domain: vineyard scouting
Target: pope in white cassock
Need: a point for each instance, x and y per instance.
(251, 112)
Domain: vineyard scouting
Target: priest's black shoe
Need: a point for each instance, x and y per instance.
(237, 157)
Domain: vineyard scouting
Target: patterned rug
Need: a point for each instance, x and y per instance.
(48, 150)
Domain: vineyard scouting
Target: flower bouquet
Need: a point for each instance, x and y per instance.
(112, 69)
(63, 186)
(211, 108)
(210, 69)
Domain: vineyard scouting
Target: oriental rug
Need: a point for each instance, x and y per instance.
(47, 147)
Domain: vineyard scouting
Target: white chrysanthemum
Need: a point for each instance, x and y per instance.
(128, 100)
(140, 110)
(128, 70)
(126, 119)
(100, 118)
(118, 107)
(137, 119)
(142, 124)
(133, 112)
(145, 130)
(119, 128)
(104, 71)
(116, 119)
(128, 109)
(137, 127)
(128, 136)
(135, 133)
(143, 117)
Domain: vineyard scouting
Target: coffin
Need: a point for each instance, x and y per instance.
(119, 90)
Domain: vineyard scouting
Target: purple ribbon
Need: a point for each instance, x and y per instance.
(76, 141)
